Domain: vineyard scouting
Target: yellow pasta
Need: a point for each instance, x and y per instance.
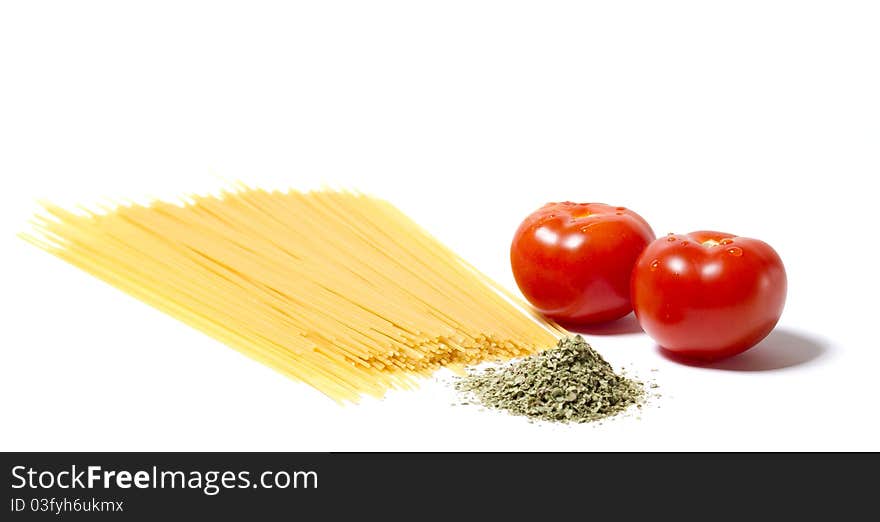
(336, 289)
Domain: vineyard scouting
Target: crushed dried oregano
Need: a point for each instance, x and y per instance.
(569, 383)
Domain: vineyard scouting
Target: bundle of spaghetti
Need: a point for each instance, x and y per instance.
(336, 289)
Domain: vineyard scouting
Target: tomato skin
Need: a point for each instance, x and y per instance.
(708, 295)
(573, 261)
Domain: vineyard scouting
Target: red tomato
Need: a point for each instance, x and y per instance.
(708, 295)
(573, 261)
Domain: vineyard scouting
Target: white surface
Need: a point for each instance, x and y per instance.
(757, 118)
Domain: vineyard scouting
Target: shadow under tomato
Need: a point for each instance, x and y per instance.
(781, 349)
(625, 325)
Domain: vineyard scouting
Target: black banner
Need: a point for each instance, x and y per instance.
(148, 486)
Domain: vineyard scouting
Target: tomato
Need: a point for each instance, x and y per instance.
(573, 261)
(708, 295)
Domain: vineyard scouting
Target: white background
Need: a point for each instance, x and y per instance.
(757, 118)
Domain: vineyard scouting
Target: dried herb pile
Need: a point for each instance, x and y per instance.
(570, 383)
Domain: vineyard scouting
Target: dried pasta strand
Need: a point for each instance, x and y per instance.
(336, 289)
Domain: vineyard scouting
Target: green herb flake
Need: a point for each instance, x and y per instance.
(570, 383)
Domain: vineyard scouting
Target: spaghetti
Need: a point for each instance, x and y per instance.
(336, 289)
